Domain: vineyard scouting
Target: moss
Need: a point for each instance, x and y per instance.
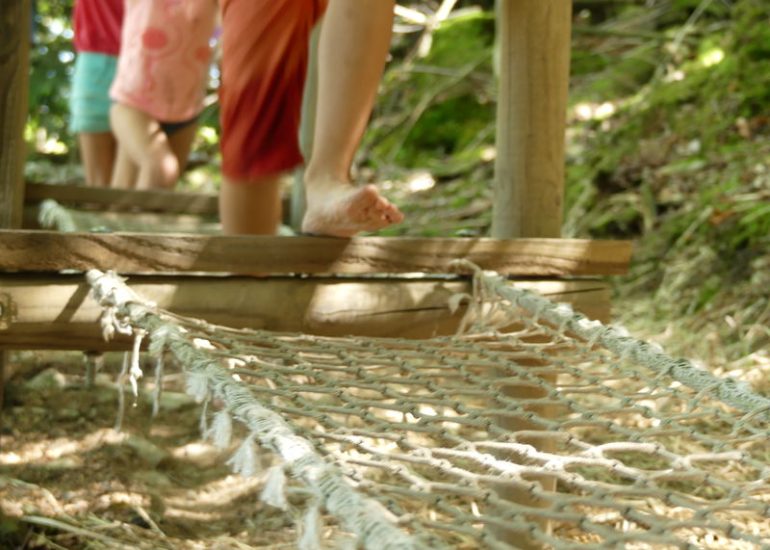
(441, 105)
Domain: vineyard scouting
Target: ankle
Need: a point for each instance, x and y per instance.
(324, 176)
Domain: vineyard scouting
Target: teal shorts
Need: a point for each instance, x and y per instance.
(90, 100)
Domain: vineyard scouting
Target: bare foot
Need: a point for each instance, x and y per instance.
(342, 210)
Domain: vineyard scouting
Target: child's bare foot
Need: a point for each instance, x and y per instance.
(342, 210)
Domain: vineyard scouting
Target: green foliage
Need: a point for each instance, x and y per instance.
(680, 164)
(695, 98)
(439, 107)
(51, 62)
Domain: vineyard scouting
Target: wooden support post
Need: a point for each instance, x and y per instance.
(534, 54)
(14, 83)
(534, 42)
(14, 66)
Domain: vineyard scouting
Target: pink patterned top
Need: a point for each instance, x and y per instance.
(165, 57)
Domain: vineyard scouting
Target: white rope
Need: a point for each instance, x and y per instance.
(362, 516)
(620, 342)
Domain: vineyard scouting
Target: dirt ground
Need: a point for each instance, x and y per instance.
(153, 484)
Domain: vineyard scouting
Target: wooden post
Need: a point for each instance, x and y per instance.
(534, 52)
(14, 66)
(14, 83)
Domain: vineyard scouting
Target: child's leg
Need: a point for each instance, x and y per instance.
(147, 145)
(125, 172)
(97, 151)
(90, 115)
(181, 142)
(264, 60)
(355, 39)
(251, 207)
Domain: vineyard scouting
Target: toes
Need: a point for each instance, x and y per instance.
(362, 210)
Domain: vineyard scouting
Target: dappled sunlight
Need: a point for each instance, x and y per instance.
(711, 57)
(676, 75)
(586, 111)
(420, 181)
(42, 452)
(217, 493)
(49, 145)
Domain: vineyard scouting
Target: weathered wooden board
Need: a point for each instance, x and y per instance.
(151, 253)
(123, 199)
(56, 312)
(160, 222)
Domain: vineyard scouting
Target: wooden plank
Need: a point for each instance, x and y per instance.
(160, 222)
(534, 42)
(124, 199)
(151, 253)
(56, 312)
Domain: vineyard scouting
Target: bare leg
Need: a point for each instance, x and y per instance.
(181, 142)
(97, 152)
(251, 207)
(147, 145)
(353, 47)
(126, 171)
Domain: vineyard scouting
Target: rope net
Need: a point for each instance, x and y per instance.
(533, 425)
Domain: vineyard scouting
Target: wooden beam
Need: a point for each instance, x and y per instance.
(152, 253)
(160, 222)
(534, 52)
(130, 200)
(14, 84)
(122, 199)
(56, 312)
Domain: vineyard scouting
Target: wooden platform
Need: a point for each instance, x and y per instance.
(50, 251)
(365, 286)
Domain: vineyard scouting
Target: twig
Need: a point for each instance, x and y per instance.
(146, 517)
(413, 16)
(55, 524)
(426, 40)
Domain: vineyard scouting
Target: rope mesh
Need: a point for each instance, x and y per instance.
(532, 421)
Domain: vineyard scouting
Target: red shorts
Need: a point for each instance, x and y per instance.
(264, 60)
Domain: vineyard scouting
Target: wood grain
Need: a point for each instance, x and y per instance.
(534, 42)
(56, 312)
(151, 253)
(14, 84)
